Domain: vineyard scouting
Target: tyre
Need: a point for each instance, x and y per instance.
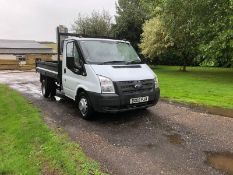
(84, 106)
(53, 88)
(45, 88)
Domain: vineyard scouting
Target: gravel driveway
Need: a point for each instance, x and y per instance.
(166, 139)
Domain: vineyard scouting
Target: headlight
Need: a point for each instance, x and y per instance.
(156, 81)
(106, 85)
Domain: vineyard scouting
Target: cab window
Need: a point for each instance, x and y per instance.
(70, 49)
(76, 57)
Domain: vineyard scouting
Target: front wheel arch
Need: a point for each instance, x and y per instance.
(78, 92)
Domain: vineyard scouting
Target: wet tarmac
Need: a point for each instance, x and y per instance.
(165, 139)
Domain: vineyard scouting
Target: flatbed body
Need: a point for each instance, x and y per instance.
(51, 69)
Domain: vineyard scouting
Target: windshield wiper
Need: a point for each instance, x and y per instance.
(134, 62)
(113, 62)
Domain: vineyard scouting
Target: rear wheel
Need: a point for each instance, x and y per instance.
(45, 88)
(84, 106)
(48, 88)
(53, 87)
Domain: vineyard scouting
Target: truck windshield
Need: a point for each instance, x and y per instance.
(109, 52)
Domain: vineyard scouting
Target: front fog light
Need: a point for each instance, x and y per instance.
(106, 85)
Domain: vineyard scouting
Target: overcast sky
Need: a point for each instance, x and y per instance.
(37, 19)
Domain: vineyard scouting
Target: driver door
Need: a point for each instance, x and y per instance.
(71, 75)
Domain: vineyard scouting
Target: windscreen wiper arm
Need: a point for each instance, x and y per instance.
(134, 62)
(113, 62)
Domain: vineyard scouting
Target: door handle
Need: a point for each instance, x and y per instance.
(64, 70)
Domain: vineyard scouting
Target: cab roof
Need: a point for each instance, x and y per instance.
(95, 39)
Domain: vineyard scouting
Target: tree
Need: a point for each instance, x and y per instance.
(97, 24)
(155, 38)
(217, 32)
(129, 20)
(151, 7)
(198, 28)
(178, 25)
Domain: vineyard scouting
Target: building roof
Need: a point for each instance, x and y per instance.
(23, 47)
(51, 45)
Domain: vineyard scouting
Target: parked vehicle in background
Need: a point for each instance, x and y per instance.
(99, 74)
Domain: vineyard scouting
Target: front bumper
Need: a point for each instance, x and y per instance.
(119, 103)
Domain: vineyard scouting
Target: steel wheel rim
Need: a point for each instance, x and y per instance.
(83, 106)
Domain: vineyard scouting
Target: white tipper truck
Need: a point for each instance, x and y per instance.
(99, 74)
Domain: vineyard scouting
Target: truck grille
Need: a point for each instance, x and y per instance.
(129, 87)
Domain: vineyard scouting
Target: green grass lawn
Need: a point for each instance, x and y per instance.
(205, 86)
(28, 146)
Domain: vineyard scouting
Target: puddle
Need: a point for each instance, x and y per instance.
(146, 147)
(150, 146)
(221, 161)
(175, 139)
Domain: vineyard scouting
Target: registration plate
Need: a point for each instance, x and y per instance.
(139, 100)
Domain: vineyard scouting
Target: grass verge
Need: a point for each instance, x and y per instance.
(28, 146)
(204, 86)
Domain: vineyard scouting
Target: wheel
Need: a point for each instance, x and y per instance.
(84, 106)
(45, 88)
(53, 88)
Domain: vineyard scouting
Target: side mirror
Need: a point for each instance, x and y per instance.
(79, 66)
(70, 63)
